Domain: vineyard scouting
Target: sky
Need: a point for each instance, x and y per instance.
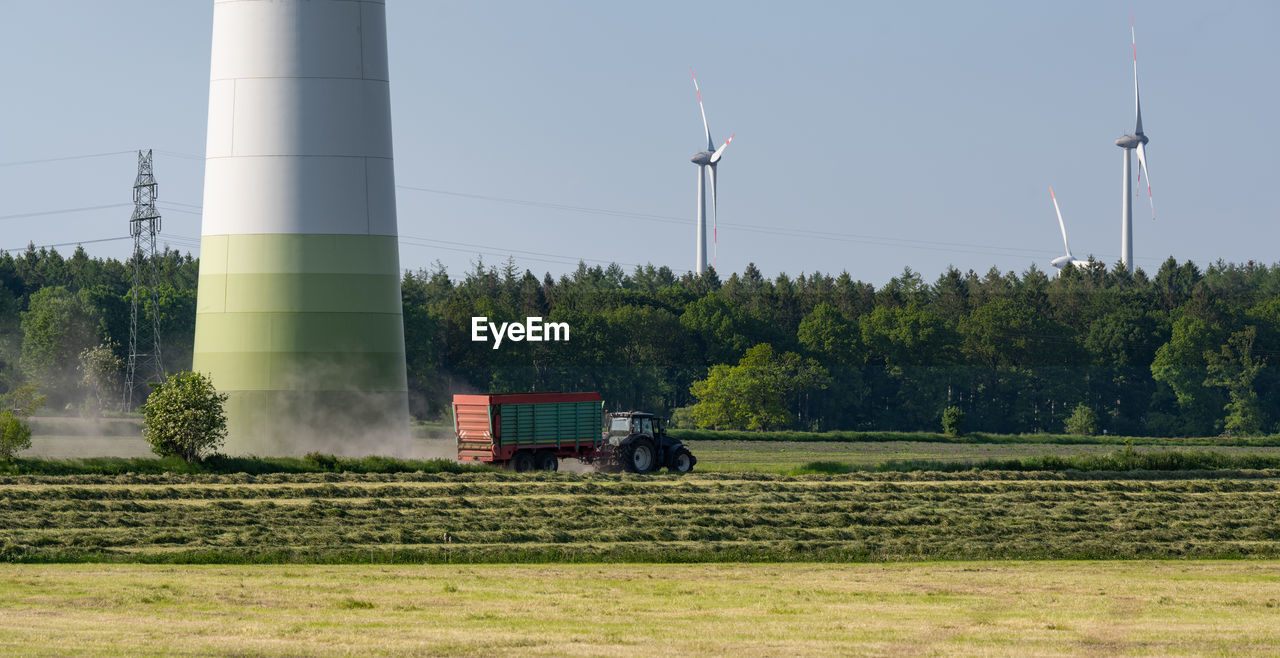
(869, 136)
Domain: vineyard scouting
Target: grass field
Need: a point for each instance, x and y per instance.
(560, 517)
(792, 457)
(771, 547)
(965, 608)
(728, 456)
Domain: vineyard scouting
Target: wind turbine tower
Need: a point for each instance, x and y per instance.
(706, 160)
(298, 313)
(1133, 142)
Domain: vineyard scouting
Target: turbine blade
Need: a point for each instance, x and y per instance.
(710, 144)
(1142, 171)
(1061, 224)
(1137, 101)
(715, 231)
(715, 157)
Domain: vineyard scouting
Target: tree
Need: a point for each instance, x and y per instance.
(1180, 365)
(15, 435)
(55, 328)
(953, 421)
(184, 417)
(100, 377)
(1083, 421)
(762, 392)
(23, 401)
(826, 333)
(1234, 369)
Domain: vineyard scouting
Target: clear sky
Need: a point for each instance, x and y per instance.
(916, 134)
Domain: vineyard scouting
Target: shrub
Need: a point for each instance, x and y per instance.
(953, 421)
(183, 417)
(1082, 422)
(15, 435)
(23, 400)
(100, 377)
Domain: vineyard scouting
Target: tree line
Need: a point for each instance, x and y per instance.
(1184, 352)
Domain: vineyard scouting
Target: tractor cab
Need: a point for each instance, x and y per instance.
(639, 443)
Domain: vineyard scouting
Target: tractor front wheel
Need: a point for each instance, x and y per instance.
(682, 461)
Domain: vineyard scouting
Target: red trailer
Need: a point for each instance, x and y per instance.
(528, 430)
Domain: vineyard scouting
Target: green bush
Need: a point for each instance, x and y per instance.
(1082, 422)
(15, 436)
(953, 421)
(23, 400)
(183, 417)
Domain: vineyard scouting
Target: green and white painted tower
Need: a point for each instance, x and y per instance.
(299, 312)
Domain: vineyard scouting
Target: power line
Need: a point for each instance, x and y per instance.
(88, 156)
(67, 244)
(64, 211)
(185, 205)
(531, 255)
(64, 158)
(875, 240)
(184, 156)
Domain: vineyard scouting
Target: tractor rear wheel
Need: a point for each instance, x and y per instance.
(639, 456)
(522, 461)
(682, 461)
(547, 461)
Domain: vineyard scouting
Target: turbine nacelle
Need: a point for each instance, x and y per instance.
(1062, 261)
(1132, 141)
(702, 158)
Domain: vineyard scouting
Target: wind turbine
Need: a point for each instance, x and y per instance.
(706, 159)
(1133, 142)
(1061, 261)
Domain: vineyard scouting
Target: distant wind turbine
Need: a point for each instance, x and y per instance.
(1061, 261)
(1132, 142)
(706, 159)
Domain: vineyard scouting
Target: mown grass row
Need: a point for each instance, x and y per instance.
(219, 464)
(672, 520)
(1116, 461)
(1120, 460)
(972, 437)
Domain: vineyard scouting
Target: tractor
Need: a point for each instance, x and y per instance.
(637, 442)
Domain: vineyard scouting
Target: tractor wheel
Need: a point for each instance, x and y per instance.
(547, 461)
(639, 456)
(682, 461)
(522, 462)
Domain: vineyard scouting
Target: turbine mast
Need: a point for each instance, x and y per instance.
(1126, 214)
(700, 258)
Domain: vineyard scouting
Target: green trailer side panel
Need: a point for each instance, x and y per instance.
(550, 423)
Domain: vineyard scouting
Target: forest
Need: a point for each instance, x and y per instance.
(1185, 352)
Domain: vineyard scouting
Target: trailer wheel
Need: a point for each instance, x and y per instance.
(639, 456)
(682, 461)
(522, 461)
(547, 461)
